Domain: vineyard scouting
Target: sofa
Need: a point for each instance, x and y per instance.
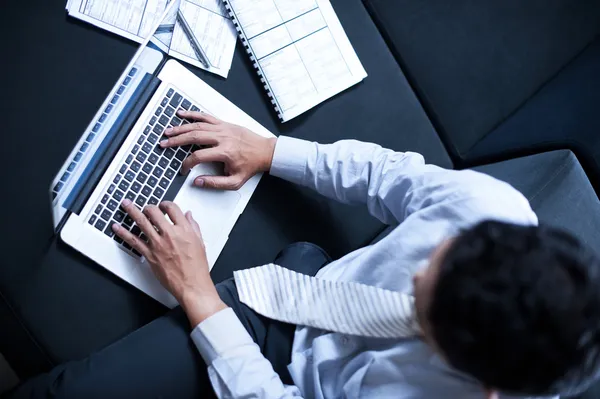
(506, 87)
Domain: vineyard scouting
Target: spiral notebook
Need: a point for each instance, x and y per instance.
(300, 50)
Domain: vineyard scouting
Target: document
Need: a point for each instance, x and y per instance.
(300, 51)
(135, 19)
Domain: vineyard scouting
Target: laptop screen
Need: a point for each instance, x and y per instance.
(68, 186)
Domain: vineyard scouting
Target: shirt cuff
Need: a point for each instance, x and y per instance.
(290, 159)
(218, 334)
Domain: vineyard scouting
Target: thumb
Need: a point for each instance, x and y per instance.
(195, 226)
(233, 182)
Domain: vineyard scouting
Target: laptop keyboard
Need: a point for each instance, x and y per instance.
(147, 171)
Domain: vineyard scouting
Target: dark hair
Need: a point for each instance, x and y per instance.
(518, 308)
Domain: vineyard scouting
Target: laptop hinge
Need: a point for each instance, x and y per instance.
(111, 143)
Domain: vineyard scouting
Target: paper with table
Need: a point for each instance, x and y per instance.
(299, 49)
(134, 19)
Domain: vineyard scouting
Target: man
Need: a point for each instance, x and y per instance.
(502, 304)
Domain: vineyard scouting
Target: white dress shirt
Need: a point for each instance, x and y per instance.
(428, 204)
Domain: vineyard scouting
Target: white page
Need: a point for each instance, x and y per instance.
(133, 19)
(301, 49)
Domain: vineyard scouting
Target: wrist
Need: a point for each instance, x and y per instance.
(269, 152)
(200, 306)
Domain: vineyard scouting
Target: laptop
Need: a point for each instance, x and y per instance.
(118, 156)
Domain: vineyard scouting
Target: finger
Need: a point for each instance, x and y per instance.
(174, 212)
(194, 137)
(157, 218)
(190, 127)
(199, 116)
(132, 240)
(140, 219)
(233, 182)
(195, 225)
(205, 155)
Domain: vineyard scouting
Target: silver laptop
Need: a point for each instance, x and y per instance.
(118, 157)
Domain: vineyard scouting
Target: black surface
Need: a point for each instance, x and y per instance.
(474, 62)
(57, 74)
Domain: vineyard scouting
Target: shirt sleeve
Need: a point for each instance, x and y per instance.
(393, 185)
(236, 367)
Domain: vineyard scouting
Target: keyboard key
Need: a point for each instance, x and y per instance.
(169, 173)
(152, 181)
(147, 167)
(129, 176)
(90, 137)
(140, 200)
(164, 102)
(102, 118)
(195, 109)
(153, 158)
(123, 186)
(175, 121)
(153, 120)
(135, 187)
(119, 216)
(146, 191)
(106, 214)
(128, 221)
(164, 183)
(175, 164)
(135, 149)
(118, 195)
(170, 111)
(130, 196)
(123, 169)
(108, 109)
(112, 205)
(117, 179)
(136, 253)
(109, 231)
(158, 129)
(141, 157)
(97, 127)
(141, 140)
(143, 237)
(92, 220)
(159, 192)
(186, 148)
(142, 177)
(180, 155)
(111, 188)
(169, 152)
(176, 100)
(170, 93)
(147, 129)
(129, 159)
(118, 239)
(133, 71)
(114, 99)
(147, 148)
(71, 167)
(78, 156)
(65, 176)
(164, 120)
(127, 246)
(186, 104)
(98, 209)
(127, 81)
(163, 163)
(135, 166)
(158, 172)
(84, 147)
(153, 138)
(153, 201)
(158, 150)
(100, 224)
(104, 199)
(158, 110)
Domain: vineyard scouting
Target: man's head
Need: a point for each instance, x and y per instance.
(517, 307)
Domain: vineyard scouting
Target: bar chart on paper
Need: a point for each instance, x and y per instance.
(300, 51)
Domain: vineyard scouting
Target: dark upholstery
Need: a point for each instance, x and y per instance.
(474, 62)
(58, 74)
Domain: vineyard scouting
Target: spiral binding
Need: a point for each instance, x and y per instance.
(250, 52)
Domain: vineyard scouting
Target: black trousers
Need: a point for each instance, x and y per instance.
(160, 360)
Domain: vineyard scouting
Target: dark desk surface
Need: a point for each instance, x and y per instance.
(55, 73)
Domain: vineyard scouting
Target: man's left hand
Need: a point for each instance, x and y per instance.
(176, 253)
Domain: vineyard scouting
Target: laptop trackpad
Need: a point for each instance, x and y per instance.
(210, 208)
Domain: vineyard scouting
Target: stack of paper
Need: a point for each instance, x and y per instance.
(135, 19)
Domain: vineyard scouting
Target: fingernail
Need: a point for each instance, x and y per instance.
(126, 202)
(181, 112)
(164, 143)
(199, 182)
(116, 227)
(169, 130)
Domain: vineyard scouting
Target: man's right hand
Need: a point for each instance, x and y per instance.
(243, 152)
